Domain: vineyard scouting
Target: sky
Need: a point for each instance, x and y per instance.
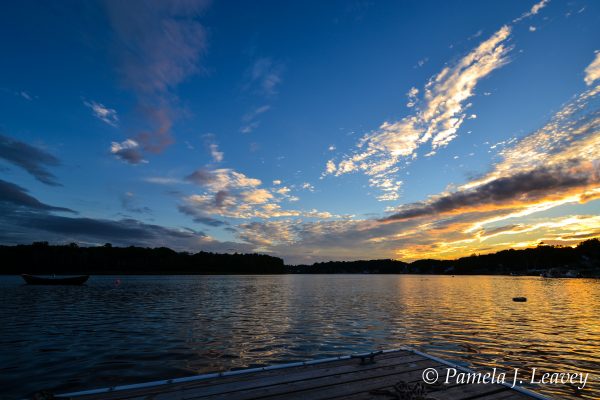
(309, 130)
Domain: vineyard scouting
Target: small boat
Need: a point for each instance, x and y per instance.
(70, 280)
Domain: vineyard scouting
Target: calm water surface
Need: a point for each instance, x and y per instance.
(68, 338)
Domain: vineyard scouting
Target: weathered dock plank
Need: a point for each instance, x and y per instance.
(306, 377)
(259, 378)
(340, 378)
(321, 387)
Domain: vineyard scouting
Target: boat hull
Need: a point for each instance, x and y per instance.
(72, 280)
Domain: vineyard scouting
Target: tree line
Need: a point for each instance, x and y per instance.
(554, 261)
(43, 258)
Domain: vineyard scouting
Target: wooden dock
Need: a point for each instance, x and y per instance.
(394, 374)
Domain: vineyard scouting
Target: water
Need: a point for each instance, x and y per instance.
(147, 328)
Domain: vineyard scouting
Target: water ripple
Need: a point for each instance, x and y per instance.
(69, 338)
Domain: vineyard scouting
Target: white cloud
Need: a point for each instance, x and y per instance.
(592, 72)
(532, 28)
(128, 151)
(26, 95)
(308, 186)
(438, 115)
(256, 196)
(538, 6)
(330, 168)
(222, 179)
(215, 153)
(103, 113)
(533, 11)
(422, 62)
(231, 194)
(276, 182)
(250, 119)
(163, 180)
(249, 127)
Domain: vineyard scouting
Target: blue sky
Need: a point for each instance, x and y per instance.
(308, 130)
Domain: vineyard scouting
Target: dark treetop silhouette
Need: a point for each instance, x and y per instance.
(42, 258)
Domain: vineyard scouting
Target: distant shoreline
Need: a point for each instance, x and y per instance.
(303, 273)
(44, 259)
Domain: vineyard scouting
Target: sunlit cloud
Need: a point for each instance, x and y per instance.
(438, 115)
(307, 186)
(221, 179)
(592, 72)
(533, 11)
(256, 196)
(232, 194)
(555, 166)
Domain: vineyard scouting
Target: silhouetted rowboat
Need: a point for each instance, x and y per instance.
(71, 280)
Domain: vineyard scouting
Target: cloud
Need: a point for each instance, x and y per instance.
(199, 216)
(249, 127)
(26, 95)
(215, 153)
(17, 196)
(592, 72)
(158, 136)
(125, 232)
(256, 196)
(24, 220)
(129, 203)
(127, 151)
(533, 11)
(161, 180)
(250, 119)
(551, 166)
(159, 46)
(231, 194)
(525, 198)
(221, 179)
(266, 234)
(308, 186)
(103, 113)
(437, 117)
(213, 148)
(32, 159)
(160, 43)
(265, 76)
(520, 189)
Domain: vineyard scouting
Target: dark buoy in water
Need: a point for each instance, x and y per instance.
(520, 299)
